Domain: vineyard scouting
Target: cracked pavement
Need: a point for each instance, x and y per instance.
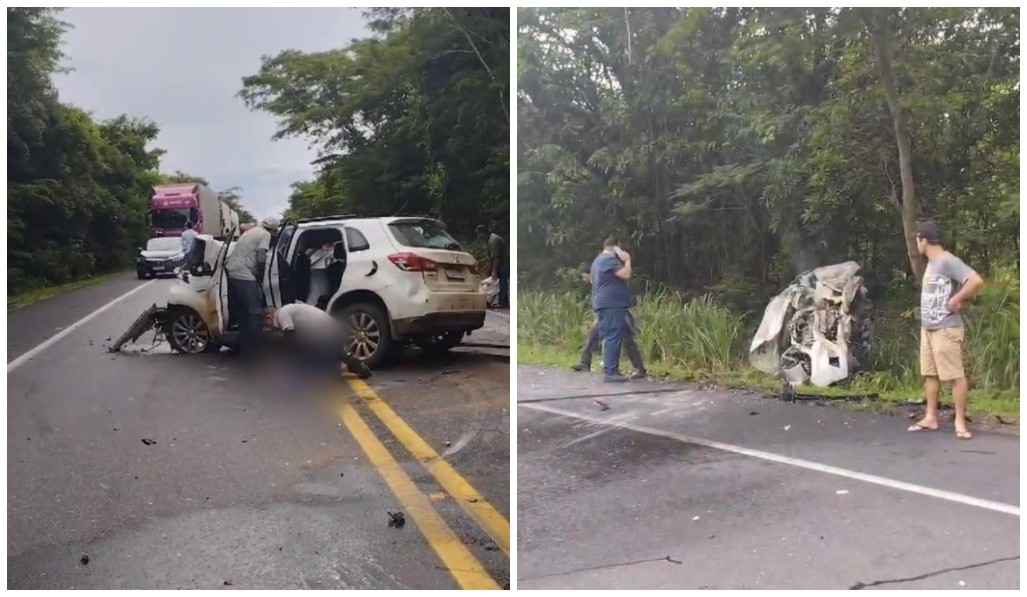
(602, 506)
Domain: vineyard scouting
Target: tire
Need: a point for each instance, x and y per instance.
(369, 337)
(187, 333)
(437, 344)
(140, 275)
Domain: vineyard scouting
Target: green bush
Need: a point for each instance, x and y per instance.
(699, 336)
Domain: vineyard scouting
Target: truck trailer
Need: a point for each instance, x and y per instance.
(173, 205)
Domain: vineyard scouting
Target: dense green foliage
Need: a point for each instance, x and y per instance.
(732, 148)
(77, 189)
(411, 121)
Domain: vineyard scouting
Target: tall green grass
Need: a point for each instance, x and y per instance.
(699, 338)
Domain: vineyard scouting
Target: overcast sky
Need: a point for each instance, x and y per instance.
(182, 68)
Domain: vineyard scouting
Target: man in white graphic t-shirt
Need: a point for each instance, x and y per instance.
(947, 285)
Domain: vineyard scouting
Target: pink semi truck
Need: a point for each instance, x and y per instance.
(173, 205)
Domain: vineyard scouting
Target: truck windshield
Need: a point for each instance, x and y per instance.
(169, 219)
(424, 235)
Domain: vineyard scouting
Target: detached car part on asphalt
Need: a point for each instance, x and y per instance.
(818, 329)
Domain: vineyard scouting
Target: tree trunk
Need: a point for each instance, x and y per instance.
(881, 33)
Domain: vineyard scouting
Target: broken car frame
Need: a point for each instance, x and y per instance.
(818, 329)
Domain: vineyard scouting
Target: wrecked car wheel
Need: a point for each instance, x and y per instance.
(187, 333)
(439, 343)
(367, 330)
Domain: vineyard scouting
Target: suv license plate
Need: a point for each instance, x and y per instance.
(455, 274)
(158, 268)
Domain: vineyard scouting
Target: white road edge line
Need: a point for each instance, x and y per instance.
(71, 328)
(796, 462)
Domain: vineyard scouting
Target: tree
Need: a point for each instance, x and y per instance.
(733, 148)
(882, 33)
(410, 121)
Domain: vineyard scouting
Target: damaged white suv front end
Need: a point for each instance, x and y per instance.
(818, 329)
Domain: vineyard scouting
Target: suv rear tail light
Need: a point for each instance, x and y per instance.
(410, 262)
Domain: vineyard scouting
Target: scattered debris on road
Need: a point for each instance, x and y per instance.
(602, 405)
(842, 491)
(153, 318)
(787, 427)
(85, 560)
(397, 520)
(817, 329)
(149, 442)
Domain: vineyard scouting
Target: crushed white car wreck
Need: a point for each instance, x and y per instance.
(816, 330)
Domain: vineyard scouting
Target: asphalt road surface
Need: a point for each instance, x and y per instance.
(248, 479)
(663, 487)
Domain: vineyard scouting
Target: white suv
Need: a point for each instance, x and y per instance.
(393, 280)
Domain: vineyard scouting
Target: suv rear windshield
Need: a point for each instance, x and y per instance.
(424, 235)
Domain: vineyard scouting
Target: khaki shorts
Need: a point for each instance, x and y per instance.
(941, 353)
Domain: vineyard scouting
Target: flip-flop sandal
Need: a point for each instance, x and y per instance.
(916, 428)
(965, 434)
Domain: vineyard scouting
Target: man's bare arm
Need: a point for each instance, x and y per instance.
(971, 288)
(625, 272)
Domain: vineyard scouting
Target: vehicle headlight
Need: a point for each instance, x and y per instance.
(176, 257)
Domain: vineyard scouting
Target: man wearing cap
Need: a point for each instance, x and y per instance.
(947, 285)
(245, 268)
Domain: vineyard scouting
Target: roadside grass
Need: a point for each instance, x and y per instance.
(694, 339)
(31, 297)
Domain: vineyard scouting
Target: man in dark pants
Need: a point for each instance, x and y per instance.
(245, 268)
(611, 299)
(630, 346)
(499, 263)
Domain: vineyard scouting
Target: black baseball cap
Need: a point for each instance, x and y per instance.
(929, 231)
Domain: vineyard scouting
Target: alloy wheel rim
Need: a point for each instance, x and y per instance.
(190, 333)
(366, 335)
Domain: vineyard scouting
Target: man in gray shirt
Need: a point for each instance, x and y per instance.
(245, 268)
(947, 285)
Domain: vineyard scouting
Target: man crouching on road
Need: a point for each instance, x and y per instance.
(318, 340)
(947, 285)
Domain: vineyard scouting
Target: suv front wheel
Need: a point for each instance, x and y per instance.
(367, 329)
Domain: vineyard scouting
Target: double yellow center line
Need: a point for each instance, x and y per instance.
(465, 568)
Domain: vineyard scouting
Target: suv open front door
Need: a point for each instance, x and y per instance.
(278, 271)
(219, 289)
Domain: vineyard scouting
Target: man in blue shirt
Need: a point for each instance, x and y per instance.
(593, 339)
(611, 299)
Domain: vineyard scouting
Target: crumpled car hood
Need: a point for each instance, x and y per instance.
(817, 329)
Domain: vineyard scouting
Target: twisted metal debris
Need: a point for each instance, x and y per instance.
(817, 329)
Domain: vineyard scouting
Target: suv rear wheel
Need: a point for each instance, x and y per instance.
(367, 327)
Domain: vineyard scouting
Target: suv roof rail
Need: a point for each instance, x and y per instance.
(325, 218)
